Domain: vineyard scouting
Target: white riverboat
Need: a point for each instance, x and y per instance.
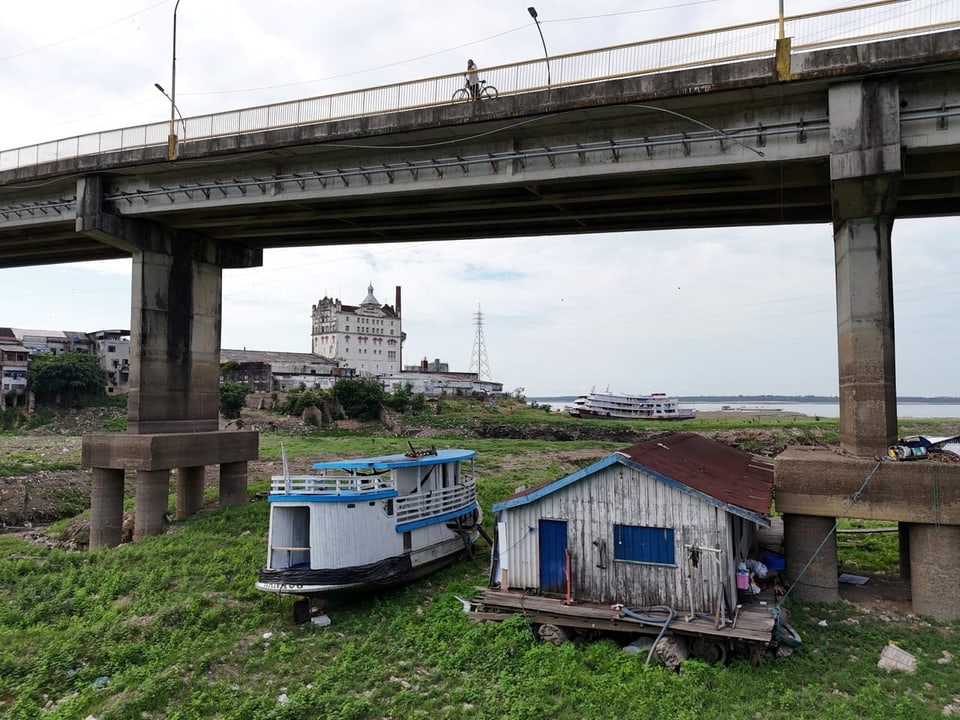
(612, 406)
(370, 523)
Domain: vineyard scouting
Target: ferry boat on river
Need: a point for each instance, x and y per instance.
(612, 406)
(370, 523)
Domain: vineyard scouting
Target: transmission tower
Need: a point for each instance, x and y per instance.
(478, 359)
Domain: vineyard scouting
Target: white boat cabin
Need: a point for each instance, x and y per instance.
(369, 521)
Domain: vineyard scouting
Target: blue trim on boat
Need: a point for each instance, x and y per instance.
(386, 462)
(338, 498)
(436, 519)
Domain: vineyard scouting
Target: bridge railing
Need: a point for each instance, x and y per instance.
(846, 26)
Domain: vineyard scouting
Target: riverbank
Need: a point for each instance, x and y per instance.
(41, 480)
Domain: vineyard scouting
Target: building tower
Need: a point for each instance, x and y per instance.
(478, 358)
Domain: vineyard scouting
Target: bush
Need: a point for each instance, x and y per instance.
(417, 405)
(399, 400)
(232, 397)
(65, 379)
(360, 398)
(11, 418)
(302, 398)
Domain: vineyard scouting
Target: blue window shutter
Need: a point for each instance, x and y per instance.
(644, 544)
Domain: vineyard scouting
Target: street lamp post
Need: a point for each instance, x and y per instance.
(183, 123)
(533, 13)
(172, 138)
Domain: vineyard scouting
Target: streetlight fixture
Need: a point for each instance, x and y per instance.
(183, 123)
(172, 138)
(533, 13)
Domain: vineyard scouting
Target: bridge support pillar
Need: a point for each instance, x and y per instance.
(173, 406)
(106, 508)
(189, 490)
(802, 538)
(233, 484)
(153, 497)
(865, 169)
(935, 570)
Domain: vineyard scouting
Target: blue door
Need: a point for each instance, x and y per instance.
(553, 555)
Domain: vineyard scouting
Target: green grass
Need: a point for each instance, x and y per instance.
(13, 463)
(171, 627)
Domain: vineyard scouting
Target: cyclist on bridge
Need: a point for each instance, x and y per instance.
(473, 80)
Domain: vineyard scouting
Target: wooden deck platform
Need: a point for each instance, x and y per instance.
(754, 625)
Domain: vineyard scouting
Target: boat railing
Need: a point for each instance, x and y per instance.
(328, 484)
(419, 505)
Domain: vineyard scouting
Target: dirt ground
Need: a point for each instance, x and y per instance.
(29, 501)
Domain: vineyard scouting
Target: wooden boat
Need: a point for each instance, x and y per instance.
(370, 523)
(612, 406)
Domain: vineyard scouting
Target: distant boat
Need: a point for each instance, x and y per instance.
(607, 405)
(750, 408)
(370, 523)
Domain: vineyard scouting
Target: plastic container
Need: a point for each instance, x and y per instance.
(775, 562)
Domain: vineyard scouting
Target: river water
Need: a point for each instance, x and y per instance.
(824, 409)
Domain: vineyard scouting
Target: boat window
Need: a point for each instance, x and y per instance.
(351, 505)
(446, 475)
(407, 542)
(388, 507)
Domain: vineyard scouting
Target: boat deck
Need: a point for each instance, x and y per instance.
(754, 624)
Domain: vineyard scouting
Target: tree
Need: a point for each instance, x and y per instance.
(232, 397)
(229, 370)
(65, 379)
(360, 398)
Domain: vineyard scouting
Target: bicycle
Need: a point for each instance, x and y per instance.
(484, 91)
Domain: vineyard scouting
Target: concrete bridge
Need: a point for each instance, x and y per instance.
(857, 132)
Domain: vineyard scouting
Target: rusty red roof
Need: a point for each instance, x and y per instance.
(730, 476)
(726, 473)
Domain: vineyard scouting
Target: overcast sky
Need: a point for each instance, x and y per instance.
(729, 311)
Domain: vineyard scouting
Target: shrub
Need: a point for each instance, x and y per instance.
(65, 379)
(232, 397)
(360, 398)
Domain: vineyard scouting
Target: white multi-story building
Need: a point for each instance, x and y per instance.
(112, 347)
(366, 337)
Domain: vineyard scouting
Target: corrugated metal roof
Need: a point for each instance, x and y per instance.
(274, 357)
(730, 475)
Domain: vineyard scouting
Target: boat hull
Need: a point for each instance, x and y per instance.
(597, 415)
(380, 575)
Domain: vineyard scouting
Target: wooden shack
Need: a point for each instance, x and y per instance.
(661, 523)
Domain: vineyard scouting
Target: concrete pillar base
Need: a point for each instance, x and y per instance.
(106, 508)
(903, 533)
(233, 484)
(935, 571)
(153, 497)
(189, 490)
(802, 536)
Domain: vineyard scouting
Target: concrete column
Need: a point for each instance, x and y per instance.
(903, 534)
(935, 570)
(152, 497)
(868, 394)
(802, 536)
(233, 484)
(106, 507)
(174, 336)
(189, 490)
(865, 170)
